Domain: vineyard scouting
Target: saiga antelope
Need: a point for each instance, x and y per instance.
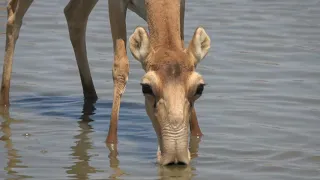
(170, 86)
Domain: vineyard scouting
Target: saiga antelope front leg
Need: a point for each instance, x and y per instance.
(120, 70)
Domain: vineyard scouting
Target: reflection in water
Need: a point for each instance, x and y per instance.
(81, 167)
(194, 146)
(12, 154)
(114, 161)
(175, 172)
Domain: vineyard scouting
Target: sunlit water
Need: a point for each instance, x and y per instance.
(260, 112)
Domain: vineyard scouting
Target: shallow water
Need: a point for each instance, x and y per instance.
(260, 111)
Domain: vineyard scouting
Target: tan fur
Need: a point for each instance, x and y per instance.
(163, 19)
(170, 73)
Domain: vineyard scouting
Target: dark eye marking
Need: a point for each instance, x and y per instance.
(199, 90)
(146, 89)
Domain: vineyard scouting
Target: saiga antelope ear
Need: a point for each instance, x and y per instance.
(199, 46)
(140, 44)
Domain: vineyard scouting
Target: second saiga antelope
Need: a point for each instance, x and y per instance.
(170, 85)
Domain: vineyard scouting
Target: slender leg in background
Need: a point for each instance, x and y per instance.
(77, 13)
(16, 11)
(194, 124)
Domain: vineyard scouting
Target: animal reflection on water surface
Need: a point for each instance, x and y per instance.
(81, 167)
(13, 157)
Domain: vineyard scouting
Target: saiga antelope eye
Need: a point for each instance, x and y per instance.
(199, 90)
(146, 89)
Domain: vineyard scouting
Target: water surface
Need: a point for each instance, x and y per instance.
(260, 112)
